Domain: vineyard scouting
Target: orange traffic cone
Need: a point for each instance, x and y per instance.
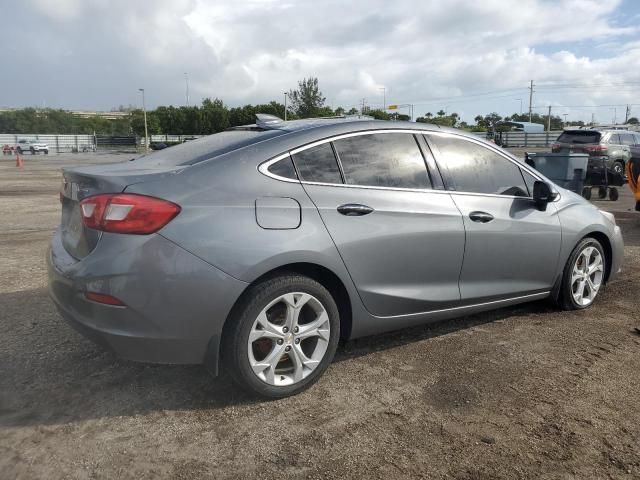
(19, 161)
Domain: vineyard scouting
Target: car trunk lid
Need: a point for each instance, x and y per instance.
(83, 182)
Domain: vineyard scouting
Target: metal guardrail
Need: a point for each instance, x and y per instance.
(524, 139)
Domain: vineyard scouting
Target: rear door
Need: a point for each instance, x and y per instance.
(401, 239)
(512, 248)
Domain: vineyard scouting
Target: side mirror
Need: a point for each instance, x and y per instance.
(542, 194)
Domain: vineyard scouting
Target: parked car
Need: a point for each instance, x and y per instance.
(157, 145)
(32, 146)
(255, 250)
(614, 144)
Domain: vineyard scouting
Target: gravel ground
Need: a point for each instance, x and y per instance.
(526, 392)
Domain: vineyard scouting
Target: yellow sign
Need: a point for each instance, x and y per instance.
(392, 107)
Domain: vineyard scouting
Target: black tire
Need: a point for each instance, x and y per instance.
(46, 152)
(602, 192)
(613, 194)
(566, 300)
(235, 337)
(19, 150)
(618, 167)
(33, 152)
(586, 193)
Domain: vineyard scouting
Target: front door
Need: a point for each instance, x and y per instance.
(401, 241)
(512, 248)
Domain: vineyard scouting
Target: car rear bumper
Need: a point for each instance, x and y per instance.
(175, 303)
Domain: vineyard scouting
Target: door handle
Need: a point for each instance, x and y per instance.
(481, 217)
(354, 209)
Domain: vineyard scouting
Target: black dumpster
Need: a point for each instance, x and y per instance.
(568, 170)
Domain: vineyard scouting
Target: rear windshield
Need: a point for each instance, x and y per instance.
(204, 148)
(579, 137)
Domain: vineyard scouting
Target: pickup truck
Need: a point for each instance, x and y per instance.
(32, 146)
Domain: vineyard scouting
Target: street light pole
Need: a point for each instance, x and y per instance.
(565, 118)
(186, 79)
(384, 97)
(285, 106)
(520, 105)
(146, 131)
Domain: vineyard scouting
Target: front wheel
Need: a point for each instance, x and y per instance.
(583, 275)
(282, 336)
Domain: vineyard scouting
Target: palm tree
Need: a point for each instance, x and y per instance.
(440, 113)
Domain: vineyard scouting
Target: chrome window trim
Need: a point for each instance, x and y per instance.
(264, 166)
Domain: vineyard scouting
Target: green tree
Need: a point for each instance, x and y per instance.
(307, 100)
(632, 121)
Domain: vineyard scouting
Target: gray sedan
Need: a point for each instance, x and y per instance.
(257, 249)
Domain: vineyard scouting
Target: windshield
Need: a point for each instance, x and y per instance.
(586, 136)
(195, 151)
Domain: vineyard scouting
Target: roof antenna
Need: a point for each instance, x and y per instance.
(265, 120)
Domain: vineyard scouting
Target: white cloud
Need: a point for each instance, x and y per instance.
(253, 50)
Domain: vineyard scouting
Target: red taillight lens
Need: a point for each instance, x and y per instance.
(596, 148)
(127, 213)
(555, 147)
(103, 298)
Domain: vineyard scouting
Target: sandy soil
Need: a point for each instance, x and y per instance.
(526, 392)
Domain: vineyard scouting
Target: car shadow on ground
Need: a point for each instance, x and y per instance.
(52, 375)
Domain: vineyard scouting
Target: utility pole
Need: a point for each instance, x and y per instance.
(549, 120)
(565, 118)
(593, 119)
(186, 79)
(146, 132)
(615, 114)
(530, 100)
(627, 113)
(362, 109)
(384, 97)
(285, 106)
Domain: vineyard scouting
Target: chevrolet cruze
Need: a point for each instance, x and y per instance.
(257, 249)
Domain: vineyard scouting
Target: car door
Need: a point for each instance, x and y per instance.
(401, 240)
(511, 248)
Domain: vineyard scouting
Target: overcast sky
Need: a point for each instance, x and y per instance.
(95, 54)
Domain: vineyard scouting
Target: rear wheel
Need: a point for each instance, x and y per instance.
(618, 167)
(586, 193)
(583, 275)
(282, 336)
(613, 194)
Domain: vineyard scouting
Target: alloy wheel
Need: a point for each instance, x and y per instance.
(586, 276)
(288, 339)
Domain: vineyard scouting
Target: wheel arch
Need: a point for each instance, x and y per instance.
(321, 274)
(608, 251)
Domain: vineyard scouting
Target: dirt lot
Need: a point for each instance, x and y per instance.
(526, 392)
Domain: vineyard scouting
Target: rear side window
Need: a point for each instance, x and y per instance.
(383, 160)
(580, 136)
(477, 169)
(284, 168)
(614, 139)
(318, 164)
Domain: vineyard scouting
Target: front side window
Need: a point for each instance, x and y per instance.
(614, 139)
(477, 169)
(318, 164)
(383, 160)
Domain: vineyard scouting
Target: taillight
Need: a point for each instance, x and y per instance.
(596, 149)
(555, 147)
(127, 213)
